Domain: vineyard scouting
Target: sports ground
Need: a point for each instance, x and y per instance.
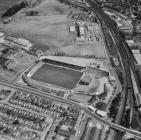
(59, 76)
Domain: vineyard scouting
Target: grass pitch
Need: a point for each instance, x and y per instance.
(58, 76)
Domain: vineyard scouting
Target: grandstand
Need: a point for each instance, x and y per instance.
(65, 65)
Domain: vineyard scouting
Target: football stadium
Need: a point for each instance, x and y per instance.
(57, 74)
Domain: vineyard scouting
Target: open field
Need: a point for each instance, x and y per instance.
(80, 98)
(23, 61)
(7, 75)
(49, 28)
(58, 76)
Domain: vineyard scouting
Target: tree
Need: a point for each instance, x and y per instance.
(134, 26)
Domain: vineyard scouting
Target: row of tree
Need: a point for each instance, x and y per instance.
(61, 53)
(14, 9)
(113, 110)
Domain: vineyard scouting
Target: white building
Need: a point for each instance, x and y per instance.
(90, 28)
(2, 40)
(130, 42)
(101, 113)
(25, 42)
(82, 30)
(98, 125)
(72, 28)
(137, 56)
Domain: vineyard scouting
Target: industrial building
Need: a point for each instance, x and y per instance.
(24, 44)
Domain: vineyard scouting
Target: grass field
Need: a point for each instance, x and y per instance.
(58, 76)
(49, 28)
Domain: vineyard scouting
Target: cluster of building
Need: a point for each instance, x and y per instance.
(124, 24)
(135, 48)
(67, 127)
(34, 103)
(12, 118)
(127, 5)
(84, 31)
(17, 117)
(137, 55)
(15, 42)
(46, 118)
(94, 131)
(83, 27)
(10, 47)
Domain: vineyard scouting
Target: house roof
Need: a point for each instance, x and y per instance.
(64, 133)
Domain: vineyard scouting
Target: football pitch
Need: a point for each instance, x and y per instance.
(59, 76)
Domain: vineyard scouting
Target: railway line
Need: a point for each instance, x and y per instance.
(126, 57)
